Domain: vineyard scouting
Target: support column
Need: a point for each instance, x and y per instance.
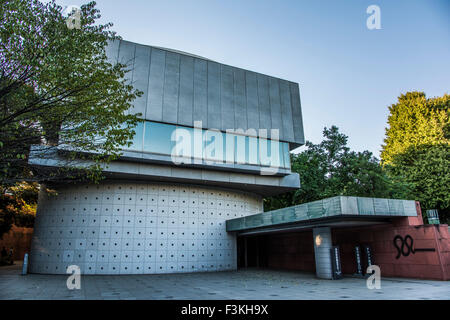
(322, 245)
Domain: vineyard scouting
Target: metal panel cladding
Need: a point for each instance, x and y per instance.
(180, 88)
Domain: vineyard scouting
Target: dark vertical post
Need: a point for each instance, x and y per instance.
(336, 262)
(257, 252)
(358, 261)
(369, 256)
(245, 252)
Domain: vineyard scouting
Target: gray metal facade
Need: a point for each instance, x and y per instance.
(181, 88)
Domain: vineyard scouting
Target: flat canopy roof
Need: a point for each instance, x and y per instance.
(338, 211)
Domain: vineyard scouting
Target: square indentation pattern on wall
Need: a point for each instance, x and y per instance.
(127, 228)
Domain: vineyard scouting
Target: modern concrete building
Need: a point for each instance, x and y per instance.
(187, 195)
(163, 212)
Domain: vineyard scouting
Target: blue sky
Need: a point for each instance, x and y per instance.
(348, 74)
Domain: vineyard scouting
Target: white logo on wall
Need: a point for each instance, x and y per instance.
(74, 280)
(374, 281)
(73, 14)
(374, 20)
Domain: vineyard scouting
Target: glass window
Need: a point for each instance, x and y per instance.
(235, 149)
(210, 145)
(240, 149)
(183, 137)
(158, 138)
(252, 153)
(147, 136)
(213, 146)
(287, 156)
(281, 153)
(138, 137)
(275, 154)
(197, 144)
(229, 148)
(264, 151)
(269, 152)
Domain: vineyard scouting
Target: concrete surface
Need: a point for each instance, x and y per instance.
(243, 284)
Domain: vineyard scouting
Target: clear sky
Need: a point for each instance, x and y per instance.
(348, 74)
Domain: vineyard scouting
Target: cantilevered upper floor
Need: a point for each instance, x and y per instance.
(181, 88)
(236, 126)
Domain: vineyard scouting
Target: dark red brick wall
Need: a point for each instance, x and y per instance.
(295, 251)
(19, 239)
(423, 265)
(291, 251)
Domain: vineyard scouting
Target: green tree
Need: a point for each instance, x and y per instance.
(417, 147)
(18, 205)
(58, 89)
(330, 169)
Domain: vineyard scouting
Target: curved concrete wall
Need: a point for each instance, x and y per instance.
(129, 228)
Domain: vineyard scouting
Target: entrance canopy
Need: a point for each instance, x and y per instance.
(337, 211)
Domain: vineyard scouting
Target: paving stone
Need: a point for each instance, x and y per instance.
(243, 284)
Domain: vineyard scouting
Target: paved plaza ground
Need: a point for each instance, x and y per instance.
(250, 284)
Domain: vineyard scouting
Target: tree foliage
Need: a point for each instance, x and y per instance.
(417, 147)
(58, 89)
(330, 169)
(18, 205)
